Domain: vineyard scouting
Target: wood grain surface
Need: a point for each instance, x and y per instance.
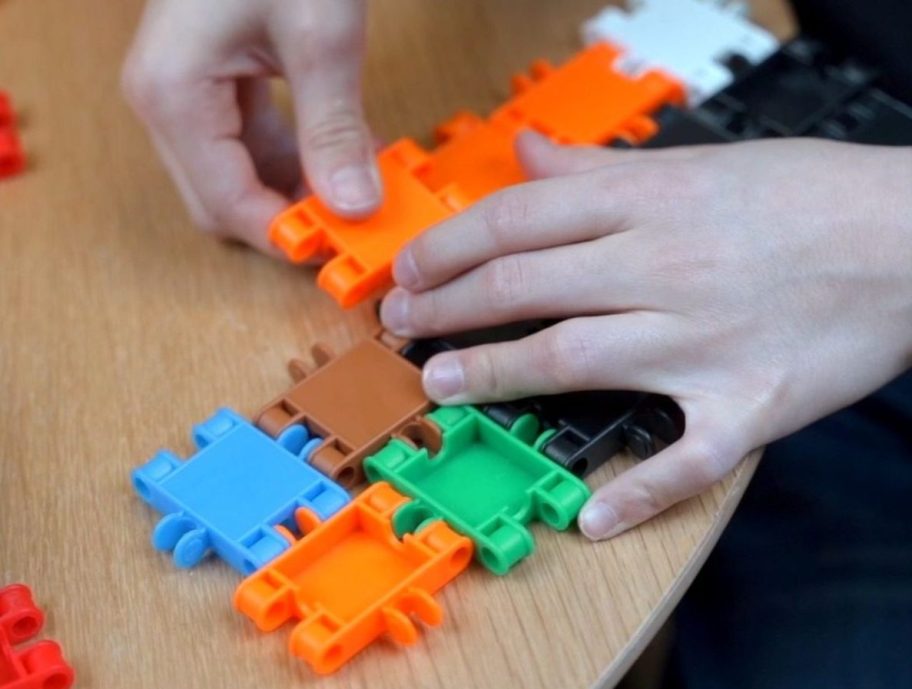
(120, 327)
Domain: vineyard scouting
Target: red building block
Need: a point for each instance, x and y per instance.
(38, 666)
(12, 157)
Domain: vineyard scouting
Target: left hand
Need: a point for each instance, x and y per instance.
(761, 285)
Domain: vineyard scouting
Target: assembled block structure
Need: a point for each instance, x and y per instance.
(269, 496)
(584, 101)
(38, 666)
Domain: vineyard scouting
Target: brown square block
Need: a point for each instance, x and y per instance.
(355, 402)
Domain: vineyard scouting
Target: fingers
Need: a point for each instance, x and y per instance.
(600, 276)
(269, 138)
(620, 352)
(196, 124)
(706, 454)
(320, 47)
(530, 216)
(541, 157)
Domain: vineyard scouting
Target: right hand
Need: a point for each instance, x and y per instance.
(198, 74)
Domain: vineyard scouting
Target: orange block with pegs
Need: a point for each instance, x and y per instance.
(588, 101)
(364, 249)
(474, 154)
(351, 580)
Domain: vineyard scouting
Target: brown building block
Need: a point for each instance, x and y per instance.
(355, 402)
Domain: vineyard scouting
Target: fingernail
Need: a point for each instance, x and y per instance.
(444, 378)
(405, 270)
(394, 312)
(355, 187)
(598, 521)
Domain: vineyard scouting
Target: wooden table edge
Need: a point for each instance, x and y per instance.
(670, 599)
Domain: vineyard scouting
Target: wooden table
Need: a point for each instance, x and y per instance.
(121, 327)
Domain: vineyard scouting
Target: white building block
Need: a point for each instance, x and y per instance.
(689, 39)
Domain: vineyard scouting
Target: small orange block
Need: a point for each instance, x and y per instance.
(475, 154)
(364, 249)
(587, 101)
(350, 580)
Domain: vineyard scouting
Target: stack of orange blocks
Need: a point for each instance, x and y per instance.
(585, 101)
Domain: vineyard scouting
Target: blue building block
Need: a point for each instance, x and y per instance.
(231, 495)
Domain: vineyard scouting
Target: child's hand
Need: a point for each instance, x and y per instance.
(197, 75)
(761, 285)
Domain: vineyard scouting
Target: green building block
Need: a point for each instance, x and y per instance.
(487, 482)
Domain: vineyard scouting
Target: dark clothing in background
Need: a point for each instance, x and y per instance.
(878, 31)
(810, 586)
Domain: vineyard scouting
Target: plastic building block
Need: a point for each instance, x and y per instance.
(475, 154)
(679, 127)
(38, 666)
(12, 157)
(355, 402)
(873, 117)
(364, 249)
(237, 496)
(588, 100)
(786, 95)
(485, 481)
(7, 114)
(699, 42)
(349, 580)
(588, 428)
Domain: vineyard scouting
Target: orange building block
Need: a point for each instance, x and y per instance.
(474, 154)
(350, 580)
(586, 101)
(364, 249)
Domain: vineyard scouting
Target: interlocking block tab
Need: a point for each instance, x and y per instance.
(350, 580)
(474, 154)
(355, 402)
(37, 666)
(588, 100)
(238, 495)
(7, 113)
(12, 155)
(364, 249)
(872, 117)
(702, 43)
(485, 481)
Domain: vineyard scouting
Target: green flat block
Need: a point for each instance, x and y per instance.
(487, 482)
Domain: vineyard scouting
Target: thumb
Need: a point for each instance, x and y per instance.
(686, 468)
(323, 68)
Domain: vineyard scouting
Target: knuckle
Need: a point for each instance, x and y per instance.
(505, 283)
(147, 85)
(648, 499)
(483, 373)
(340, 129)
(707, 462)
(320, 39)
(504, 215)
(570, 357)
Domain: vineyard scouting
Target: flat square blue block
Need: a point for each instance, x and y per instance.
(231, 495)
